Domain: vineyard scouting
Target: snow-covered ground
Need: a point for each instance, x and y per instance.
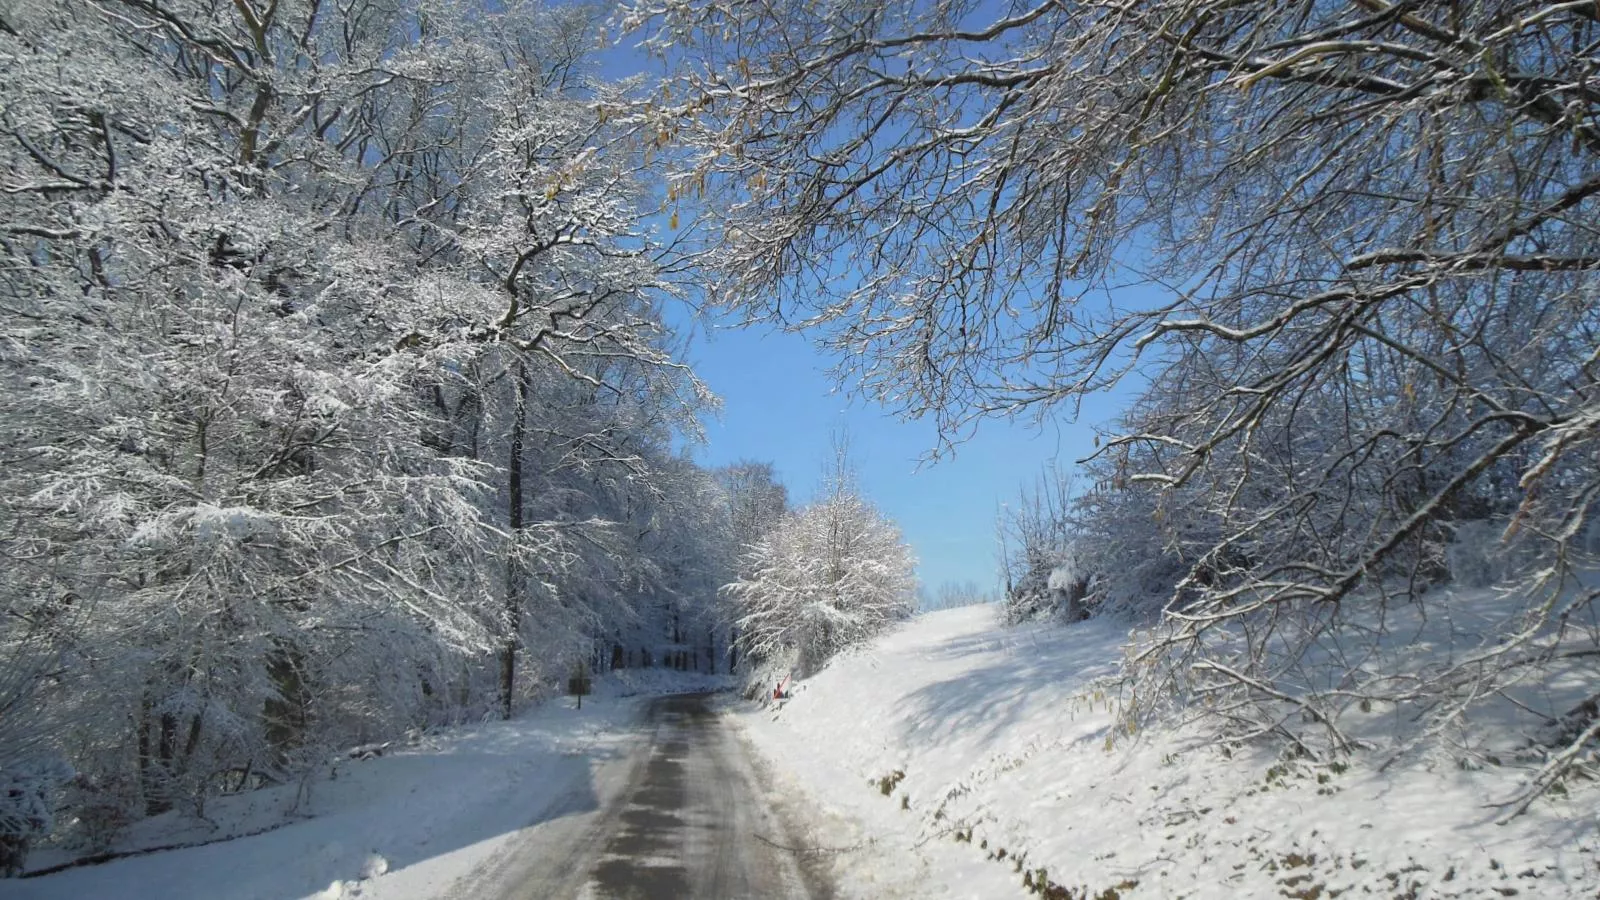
(410, 823)
(957, 758)
(950, 758)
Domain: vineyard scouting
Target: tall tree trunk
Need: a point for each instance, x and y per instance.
(146, 762)
(286, 711)
(508, 653)
(166, 745)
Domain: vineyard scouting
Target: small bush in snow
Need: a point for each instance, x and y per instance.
(26, 809)
(887, 783)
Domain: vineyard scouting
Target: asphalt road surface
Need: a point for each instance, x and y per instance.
(686, 814)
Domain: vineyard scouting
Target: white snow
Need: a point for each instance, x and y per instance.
(411, 823)
(973, 729)
(1061, 578)
(374, 866)
(1004, 731)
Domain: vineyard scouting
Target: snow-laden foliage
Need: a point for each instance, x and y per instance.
(336, 396)
(756, 499)
(756, 502)
(1350, 247)
(826, 577)
(1036, 542)
(27, 809)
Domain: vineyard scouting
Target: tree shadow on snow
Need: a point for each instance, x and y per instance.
(1026, 674)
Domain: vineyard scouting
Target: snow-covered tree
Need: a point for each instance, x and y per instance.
(826, 577)
(756, 499)
(332, 357)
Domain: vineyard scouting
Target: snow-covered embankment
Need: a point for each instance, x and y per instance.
(955, 757)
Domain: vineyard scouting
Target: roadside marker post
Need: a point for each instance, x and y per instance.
(578, 685)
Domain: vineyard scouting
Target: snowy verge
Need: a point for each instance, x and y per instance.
(408, 822)
(958, 758)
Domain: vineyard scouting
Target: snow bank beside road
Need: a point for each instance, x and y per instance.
(405, 824)
(992, 746)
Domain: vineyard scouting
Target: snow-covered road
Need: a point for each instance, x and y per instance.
(684, 815)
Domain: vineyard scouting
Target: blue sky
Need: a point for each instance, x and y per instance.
(779, 405)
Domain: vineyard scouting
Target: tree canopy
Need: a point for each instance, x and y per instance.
(1369, 231)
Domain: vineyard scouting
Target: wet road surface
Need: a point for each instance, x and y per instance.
(686, 815)
(696, 824)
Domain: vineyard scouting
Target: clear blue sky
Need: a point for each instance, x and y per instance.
(780, 406)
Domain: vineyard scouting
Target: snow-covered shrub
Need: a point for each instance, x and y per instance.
(1069, 589)
(760, 676)
(27, 808)
(1027, 598)
(1036, 538)
(101, 809)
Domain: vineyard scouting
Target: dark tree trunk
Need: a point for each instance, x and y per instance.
(166, 747)
(147, 773)
(287, 711)
(508, 653)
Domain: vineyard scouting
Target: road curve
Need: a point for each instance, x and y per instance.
(686, 815)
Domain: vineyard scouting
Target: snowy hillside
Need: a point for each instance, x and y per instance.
(957, 758)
